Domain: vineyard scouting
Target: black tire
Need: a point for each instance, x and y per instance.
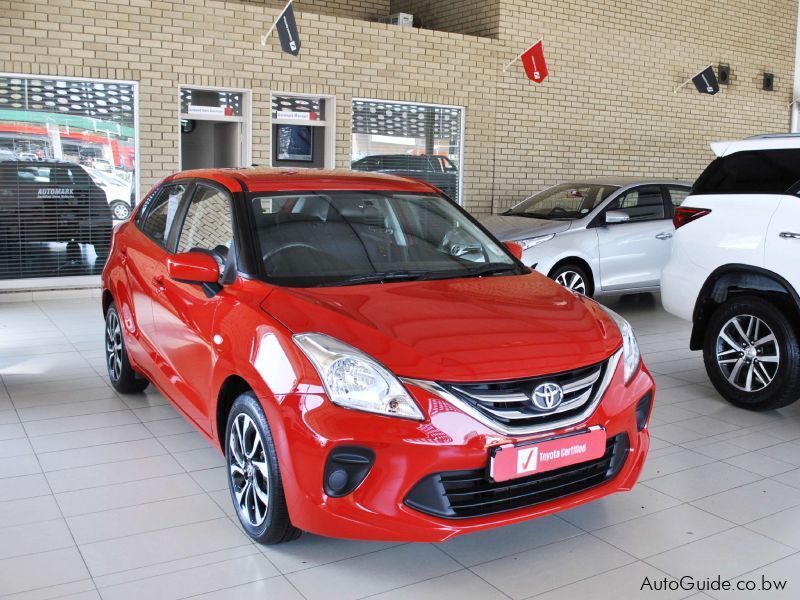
(771, 369)
(564, 273)
(123, 378)
(275, 527)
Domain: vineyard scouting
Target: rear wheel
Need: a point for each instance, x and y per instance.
(573, 277)
(254, 477)
(752, 355)
(122, 376)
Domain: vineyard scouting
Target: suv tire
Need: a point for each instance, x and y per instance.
(752, 355)
(254, 477)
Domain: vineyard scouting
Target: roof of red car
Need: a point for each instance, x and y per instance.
(264, 179)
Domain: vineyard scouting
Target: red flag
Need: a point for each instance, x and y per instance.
(534, 63)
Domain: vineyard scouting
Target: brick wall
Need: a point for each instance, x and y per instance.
(608, 107)
(471, 17)
(354, 9)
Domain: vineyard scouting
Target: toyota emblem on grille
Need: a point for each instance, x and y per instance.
(547, 396)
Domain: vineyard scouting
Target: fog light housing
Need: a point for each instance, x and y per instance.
(345, 469)
(643, 408)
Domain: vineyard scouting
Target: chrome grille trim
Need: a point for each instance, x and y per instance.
(481, 414)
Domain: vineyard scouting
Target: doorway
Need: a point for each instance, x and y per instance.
(215, 128)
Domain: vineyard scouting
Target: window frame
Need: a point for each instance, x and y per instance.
(668, 197)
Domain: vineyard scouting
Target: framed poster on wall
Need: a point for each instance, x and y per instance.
(295, 143)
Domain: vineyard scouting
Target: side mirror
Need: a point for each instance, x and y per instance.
(193, 267)
(617, 216)
(515, 249)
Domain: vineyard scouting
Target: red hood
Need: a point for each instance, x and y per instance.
(476, 329)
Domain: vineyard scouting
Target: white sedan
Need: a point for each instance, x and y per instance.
(596, 237)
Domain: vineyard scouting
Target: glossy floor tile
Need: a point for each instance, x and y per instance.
(115, 497)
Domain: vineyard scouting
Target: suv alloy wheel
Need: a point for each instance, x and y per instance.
(751, 354)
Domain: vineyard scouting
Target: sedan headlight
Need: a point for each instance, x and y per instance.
(535, 241)
(631, 357)
(354, 380)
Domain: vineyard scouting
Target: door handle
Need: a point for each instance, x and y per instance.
(789, 235)
(663, 236)
(158, 284)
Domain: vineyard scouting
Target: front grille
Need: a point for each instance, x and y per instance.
(509, 402)
(464, 494)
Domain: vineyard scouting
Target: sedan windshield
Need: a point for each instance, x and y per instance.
(348, 238)
(566, 201)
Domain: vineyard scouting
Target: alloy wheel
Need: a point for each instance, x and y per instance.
(249, 470)
(748, 353)
(121, 212)
(572, 281)
(114, 346)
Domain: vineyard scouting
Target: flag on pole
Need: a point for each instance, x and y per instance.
(706, 81)
(286, 25)
(534, 62)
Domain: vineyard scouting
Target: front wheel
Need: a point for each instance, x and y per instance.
(254, 477)
(573, 277)
(752, 355)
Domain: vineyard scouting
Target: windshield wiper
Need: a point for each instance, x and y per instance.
(528, 215)
(491, 269)
(381, 277)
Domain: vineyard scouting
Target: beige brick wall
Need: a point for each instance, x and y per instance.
(471, 17)
(355, 9)
(608, 107)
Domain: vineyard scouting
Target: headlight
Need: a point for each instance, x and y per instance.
(631, 357)
(535, 241)
(354, 380)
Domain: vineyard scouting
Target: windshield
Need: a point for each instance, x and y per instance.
(564, 202)
(347, 238)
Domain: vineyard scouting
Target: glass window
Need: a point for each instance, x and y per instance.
(644, 203)
(564, 202)
(412, 140)
(208, 225)
(57, 136)
(751, 172)
(343, 238)
(158, 216)
(677, 195)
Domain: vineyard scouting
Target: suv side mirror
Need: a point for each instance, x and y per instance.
(515, 249)
(617, 216)
(193, 267)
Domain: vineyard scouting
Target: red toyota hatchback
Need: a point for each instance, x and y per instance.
(372, 363)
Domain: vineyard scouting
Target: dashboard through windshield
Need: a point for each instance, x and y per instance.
(563, 202)
(338, 238)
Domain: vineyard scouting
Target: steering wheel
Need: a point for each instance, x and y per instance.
(295, 246)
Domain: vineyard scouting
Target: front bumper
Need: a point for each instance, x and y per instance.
(406, 452)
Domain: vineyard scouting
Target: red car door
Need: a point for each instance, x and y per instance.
(184, 313)
(145, 252)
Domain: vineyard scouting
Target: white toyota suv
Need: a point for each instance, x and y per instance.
(734, 270)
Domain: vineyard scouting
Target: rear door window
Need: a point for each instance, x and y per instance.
(751, 172)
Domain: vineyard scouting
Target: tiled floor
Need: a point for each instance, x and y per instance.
(117, 497)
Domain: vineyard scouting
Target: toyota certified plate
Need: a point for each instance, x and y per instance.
(510, 461)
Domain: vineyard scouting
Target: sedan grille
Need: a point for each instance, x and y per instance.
(465, 494)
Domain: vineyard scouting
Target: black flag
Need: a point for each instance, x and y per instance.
(287, 31)
(706, 81)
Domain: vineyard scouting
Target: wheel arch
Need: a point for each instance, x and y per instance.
(739, 279)
(107, 299)
(232, 387)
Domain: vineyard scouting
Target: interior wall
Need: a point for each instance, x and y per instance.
(211, 144)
